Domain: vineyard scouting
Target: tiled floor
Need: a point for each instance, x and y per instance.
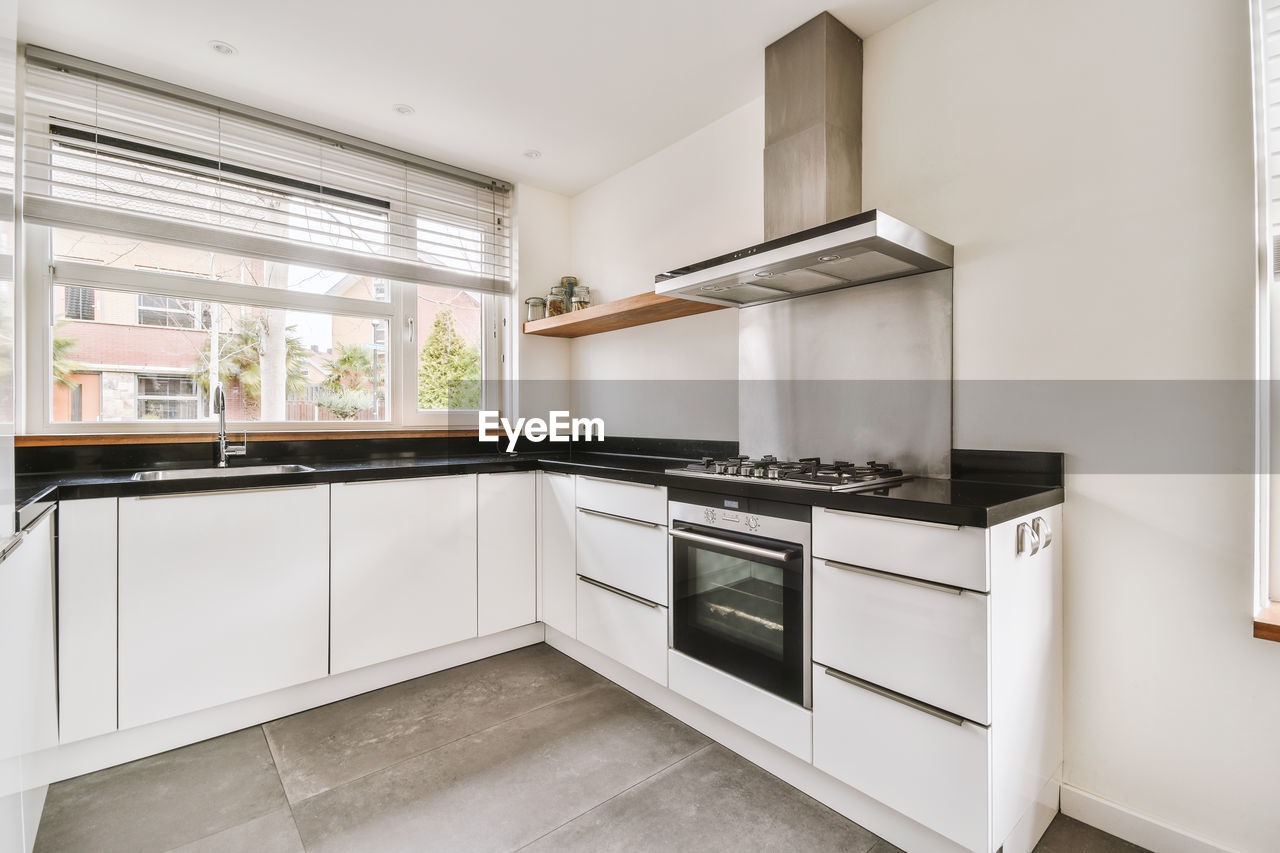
(524, 751)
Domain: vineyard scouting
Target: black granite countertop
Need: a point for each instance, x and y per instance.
(962, 502)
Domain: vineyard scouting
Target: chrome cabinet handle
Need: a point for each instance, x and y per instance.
(954, 719)
(890, 576)
(613, 589)
(1043, 530)
(620, 482)
(597, 512)
(248, 491)
(753, 550)
(1028, 539)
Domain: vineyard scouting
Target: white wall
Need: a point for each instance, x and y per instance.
(701, 196)
(1091, 161)
(542, 256)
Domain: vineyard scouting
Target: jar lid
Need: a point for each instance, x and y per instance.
(535, 300)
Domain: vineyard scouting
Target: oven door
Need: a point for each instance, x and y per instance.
(739, 603)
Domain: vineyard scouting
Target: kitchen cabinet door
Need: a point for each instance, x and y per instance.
(222, 596)
(557, 531)
(404, 568)
(86, 618)
(29, 717)
(625, 553)
(507, 550)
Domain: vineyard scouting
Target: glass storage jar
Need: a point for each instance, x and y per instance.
(557, 301)
(537, 308)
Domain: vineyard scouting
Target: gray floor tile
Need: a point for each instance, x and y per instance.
(1067, 835)
(713, 801)
(505, 786)
(271, 833)
(328, 746)
(883, 846)
(160, 802)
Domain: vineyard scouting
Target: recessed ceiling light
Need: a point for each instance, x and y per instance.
(533, 154)
(223, 48)
(763, 274)
(403, 109)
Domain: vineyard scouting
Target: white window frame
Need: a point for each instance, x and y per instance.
(1267, 363)
(43, 274)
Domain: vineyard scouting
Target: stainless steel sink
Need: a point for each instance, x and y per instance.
(199, 473)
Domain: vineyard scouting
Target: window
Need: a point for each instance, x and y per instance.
(166, 397)
(79, 303)
(166, 311)
(191, 241)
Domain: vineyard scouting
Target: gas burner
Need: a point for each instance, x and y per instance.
(809, 472)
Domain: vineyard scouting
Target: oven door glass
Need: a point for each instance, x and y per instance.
(741, 612)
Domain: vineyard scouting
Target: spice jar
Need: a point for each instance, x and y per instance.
(580, 302)
(557, 301)
(537, 308)
(583, 293)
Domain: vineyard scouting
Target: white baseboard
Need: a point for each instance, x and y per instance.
(85, 756)
(1140, 829)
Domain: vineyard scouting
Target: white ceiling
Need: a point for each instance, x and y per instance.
(595, 85)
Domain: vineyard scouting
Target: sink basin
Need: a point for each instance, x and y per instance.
(199, 473)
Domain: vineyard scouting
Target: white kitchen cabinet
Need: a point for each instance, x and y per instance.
(223, 595)
(930, 769)
(623, 552)
(925, 640)
(944, 705)
(29, 716)
(403, 567)
(942, 553)
(506, 550)
(86, 618)
(558, 543)
(641, 501)
(627, 628)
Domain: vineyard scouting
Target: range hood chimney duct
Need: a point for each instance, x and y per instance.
(812, 126)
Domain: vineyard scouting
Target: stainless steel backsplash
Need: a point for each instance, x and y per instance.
(857, 374)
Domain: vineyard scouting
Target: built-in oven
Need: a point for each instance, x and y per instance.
(740, 599)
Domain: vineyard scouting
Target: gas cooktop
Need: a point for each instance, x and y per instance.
(808, 473)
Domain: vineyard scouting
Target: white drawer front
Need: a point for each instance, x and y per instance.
(942, 553)
(931, 770)
(618, 497)
(927, 642)
(623, 552)
(631, 632)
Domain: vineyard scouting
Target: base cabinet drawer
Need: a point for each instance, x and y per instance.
(926, 641)
(934, 552)
(633, 633)
(932, 770)
(623, 552)
(619, 497)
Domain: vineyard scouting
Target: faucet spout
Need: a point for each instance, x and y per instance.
(221, 449)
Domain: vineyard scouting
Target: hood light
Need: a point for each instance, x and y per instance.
(829, 258)
(763, 274)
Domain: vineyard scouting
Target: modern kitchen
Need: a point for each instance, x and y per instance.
(569, 426)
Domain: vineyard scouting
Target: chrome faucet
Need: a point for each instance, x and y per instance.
(220, 407)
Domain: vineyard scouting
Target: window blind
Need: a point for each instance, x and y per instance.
(1271, 46)
(108, 151)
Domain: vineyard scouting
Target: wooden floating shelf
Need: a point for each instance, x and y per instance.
(619, 314)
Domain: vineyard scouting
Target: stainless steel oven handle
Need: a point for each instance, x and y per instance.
(599, 514)
(613, 589)
(954, 719)
(729, 545)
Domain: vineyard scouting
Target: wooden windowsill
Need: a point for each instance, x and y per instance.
(79, 439)
(1266, 622)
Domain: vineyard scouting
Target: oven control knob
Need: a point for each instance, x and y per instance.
(753, 522)
(709, 514)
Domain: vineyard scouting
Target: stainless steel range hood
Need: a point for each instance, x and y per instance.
(861, 249)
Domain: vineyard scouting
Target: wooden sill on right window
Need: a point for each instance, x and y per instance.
(1266, 622)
